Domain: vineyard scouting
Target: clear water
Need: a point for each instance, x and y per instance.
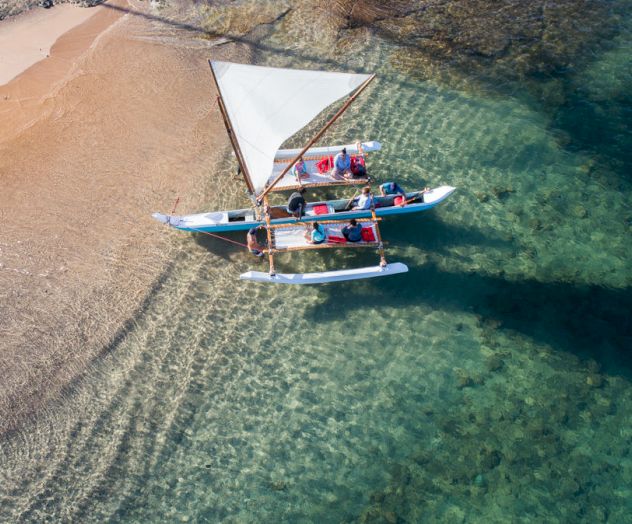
(491, 383)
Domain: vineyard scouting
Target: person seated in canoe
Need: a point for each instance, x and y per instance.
(358, 168)
(365, 201)
(296, 204)
(353, 231)
(342, 165)
(393, 188)
(299, 170)
(253, 245)
(315, 234)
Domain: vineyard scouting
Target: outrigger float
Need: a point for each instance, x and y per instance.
(286, 238)
(262, 107)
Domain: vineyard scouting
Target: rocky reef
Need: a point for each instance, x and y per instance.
(471, 44)
(503, 452)
(236, 19)
(518, 38)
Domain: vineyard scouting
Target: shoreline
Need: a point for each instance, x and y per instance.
(108, 141)
(27, 38)
(39, 76)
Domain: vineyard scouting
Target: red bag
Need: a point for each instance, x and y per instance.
(325, 164)
(321, 209)
(367, 234)
(336, 240)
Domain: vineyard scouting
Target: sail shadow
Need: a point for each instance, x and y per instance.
(255, 45)
(589, 321)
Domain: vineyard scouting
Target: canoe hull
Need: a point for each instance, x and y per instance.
(326, 276)
(221, 222)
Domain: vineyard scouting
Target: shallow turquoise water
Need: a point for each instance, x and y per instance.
(491, 383)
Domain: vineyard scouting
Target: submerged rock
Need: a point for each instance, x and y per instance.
(489, 459)
(535, 224)
(579, 211)
(502, 192)
(241, 18)
(494, 363)
(376, 515)
(478, 42)
(463, 379)
(278, 485)
(595, 380)
(482, 197)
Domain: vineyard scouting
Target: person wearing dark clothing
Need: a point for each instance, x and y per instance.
(353, 231)
(296, 204)
(253, 245)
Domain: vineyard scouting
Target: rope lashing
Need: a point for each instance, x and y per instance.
(217, 236)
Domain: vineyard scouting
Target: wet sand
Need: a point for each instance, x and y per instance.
(114, 125)
(27, 38)
(45, 46)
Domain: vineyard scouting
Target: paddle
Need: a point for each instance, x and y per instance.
(348, 206)
(420, 194)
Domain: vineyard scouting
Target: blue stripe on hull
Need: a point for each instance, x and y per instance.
(343, 215)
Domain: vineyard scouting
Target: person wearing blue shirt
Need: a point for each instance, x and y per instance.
(365, 201)
(353, 231)
(391, 188)
(316, 235)
(342, 164)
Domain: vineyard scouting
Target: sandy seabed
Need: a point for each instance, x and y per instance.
(115, 124)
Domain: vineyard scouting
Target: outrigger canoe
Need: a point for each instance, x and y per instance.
(244, 219)
(262, 107)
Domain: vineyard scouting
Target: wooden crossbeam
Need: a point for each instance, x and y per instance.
(348, 182)
(339, 221)
(327, 245)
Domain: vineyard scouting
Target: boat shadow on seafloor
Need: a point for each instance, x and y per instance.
(252, 43)
(589, 321)
(434, 235)
(223, 244)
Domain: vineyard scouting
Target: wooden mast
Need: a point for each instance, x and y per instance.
(380, 245)
(231, 133)
(269, 234)
(317, 136)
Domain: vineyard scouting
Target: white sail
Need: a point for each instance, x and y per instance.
(268, 105)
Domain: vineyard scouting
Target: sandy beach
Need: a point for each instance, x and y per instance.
(112, 126)
(27, 38)
(39, 52)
